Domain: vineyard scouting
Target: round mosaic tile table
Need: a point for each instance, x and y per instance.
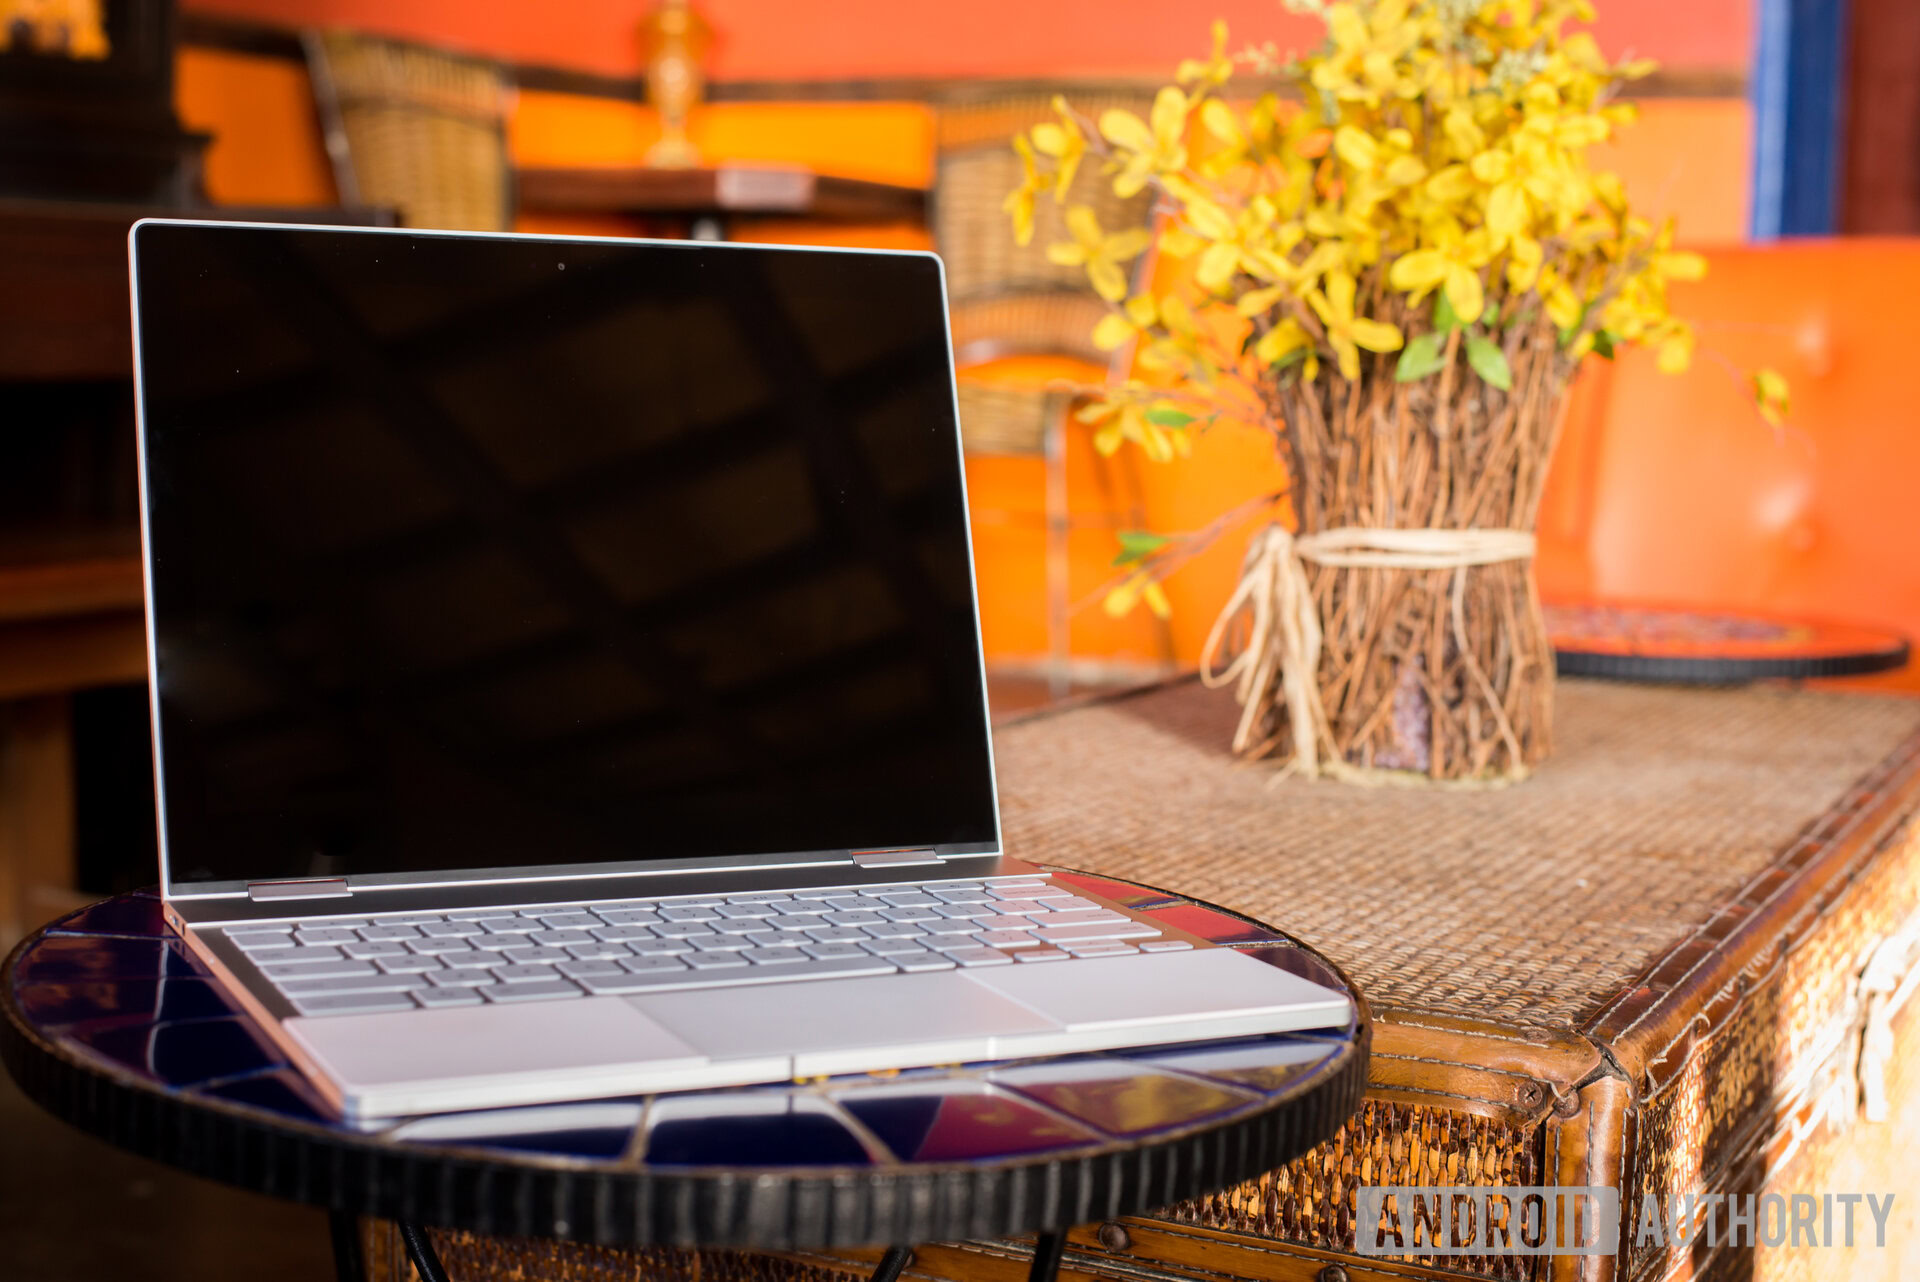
(1703, 647)
(112, 1026)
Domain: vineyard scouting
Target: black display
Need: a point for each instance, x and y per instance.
(474, 552)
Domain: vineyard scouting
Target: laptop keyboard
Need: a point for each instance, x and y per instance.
(406, 961)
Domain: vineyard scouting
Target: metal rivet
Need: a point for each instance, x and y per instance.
(1115, 1236)
(1332, 1273)
(1567, 1105)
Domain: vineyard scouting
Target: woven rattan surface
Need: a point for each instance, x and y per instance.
(1534, 905)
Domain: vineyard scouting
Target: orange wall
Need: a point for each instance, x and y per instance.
(779, 39)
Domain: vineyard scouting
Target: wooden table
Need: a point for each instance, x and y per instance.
(712, 197)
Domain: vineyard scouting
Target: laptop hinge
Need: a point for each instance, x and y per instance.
(895, 858)
(307, 888)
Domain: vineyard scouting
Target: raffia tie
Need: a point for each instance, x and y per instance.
(1284, 626)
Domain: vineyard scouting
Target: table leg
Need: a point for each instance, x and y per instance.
(896, 1259)
(426, 1260)
(349, 1261)
(1048, 1249)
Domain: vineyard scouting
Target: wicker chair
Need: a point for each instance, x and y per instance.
(414, 128)
(1010, 300)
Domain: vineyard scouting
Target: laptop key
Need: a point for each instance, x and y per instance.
(467, 959)
(583, 969)
(451, 929)
(1164, 945)
(260, 941)
(428, 947)
(299, 955)
(948, 926)
(1042, 955)
(689, 915)
(1125, 928)
(777, 938)
(515, 973)
(560, 938)
(361, 951)
(531, 956)
(908, 899)
(370, 982)
(597, 951)
(778, 956)
(978, 956)
(646, 965)
(539, 990)
(374, 934)
(512, 925)
(835, 950)
(961, 911)
(569, 919)
(1105, 948)
(798, 921)
(739, 911)
(807, 968)
(459, 978)
(742, 925)
(681, 929)
(498, 943)
(436, 997)
(717, 961)
(721, 944)
(1019, 907)
(1081, 917)
(886, 947)
(620, 934)
(895, 930)
(965, 895)
(1007, 939)
(924, 960)
(409, 919)
(412, 964)
(837, 934)
(660, 947)
(353, 1003)
(854, 917)
(628, 916)
(325, 935)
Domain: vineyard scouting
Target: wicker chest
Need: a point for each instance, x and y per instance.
(1678, 960)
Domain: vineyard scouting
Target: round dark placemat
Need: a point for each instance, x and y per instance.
(1704, 647)
(107, 1022)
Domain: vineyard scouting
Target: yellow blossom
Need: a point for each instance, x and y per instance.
(1347, 333)
(1100, 253)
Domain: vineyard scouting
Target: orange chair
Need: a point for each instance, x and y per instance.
(1673, 490)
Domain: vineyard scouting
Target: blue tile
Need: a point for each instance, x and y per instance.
(1270, 1065)
(960, 1126)
(284, 1093)
(127, 916)
(710, 1131)
(62, 959)
(52, 1005)
(182, 1054)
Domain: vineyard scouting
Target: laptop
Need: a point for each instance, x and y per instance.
(567, 680)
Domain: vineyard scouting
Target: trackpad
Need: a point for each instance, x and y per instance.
(847, 1025)
(1237, 994)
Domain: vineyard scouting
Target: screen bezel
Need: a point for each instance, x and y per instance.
(536, 873)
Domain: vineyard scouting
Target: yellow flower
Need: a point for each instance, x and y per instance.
(1064, 142)
(1215, 71)
(1135, 589)
(1101, 254)
(1347, 333)
(1158, 148)
(1449, 269)
(1118, 328)
(1019, 202)
(1771, 394)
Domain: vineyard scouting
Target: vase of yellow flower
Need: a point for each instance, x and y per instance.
(1392, 260)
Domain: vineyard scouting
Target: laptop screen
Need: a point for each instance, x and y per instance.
(476, 552)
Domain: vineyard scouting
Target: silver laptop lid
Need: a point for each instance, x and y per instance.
(478, 556)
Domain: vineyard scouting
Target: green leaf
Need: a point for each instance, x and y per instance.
(1162, 416)
(1137, 545)
(1419, 358)
(1489, 362)
(1445, 320)
(1604, 343)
